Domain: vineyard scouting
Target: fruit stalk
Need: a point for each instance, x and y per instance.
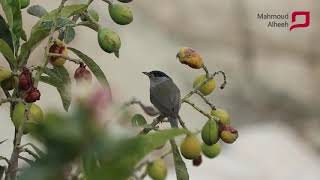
(74, 60)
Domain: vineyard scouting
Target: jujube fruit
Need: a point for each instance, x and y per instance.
(157, 169)
(82, 74)
(35, 116)
(228, 134)
(58, 47)
(190, 57)
(206, 88)
(211, 151)
(4, 73)
(109, 41)
(210, 132)
(223, 116)
(120, 14)
(190, 147)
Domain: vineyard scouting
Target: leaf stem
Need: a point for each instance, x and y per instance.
(197, 108)
(213, 107)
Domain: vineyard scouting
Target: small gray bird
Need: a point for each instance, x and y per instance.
(165, 95)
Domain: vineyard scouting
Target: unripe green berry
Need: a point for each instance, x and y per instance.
(120, 14)
(211, 151)
(157, 170)
(190, 147)
(210, 132)
(223, 116)
(24, 3)
(109, 41)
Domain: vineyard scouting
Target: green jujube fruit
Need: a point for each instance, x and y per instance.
(120, 14)
(210, 132)
(109, 41)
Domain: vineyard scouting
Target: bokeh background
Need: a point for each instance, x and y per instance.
(273, 78)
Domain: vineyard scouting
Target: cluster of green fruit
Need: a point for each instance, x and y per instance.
(109, 40)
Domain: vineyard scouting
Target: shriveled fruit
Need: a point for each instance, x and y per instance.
(190, 57)
(4, 73)
(58, 47)
(109, 41)
(157, 169)
(228, 134)
(24, 3)
(197, 161)
(120, 14)
(211, 151)
(210, 132)
(32, 95)
(223, 116)
(206, 88)
(25, 79)
(35, 115)
(190, 147)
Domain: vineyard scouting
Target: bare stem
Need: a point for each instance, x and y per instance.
(74, 60)
(153, 125)
(11, 100)
(213, 107)
(5, 159)
(197, 108)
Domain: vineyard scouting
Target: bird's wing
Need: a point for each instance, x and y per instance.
(166, 98)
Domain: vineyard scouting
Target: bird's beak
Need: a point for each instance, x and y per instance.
(146, 73)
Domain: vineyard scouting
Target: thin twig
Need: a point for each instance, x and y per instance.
(213, 107)
(5, 159)
(152, 126)
(166, 154)
(108, 1)
(74, 60)
(11, 100)
(197, 108)
(182, 123)
(26, 160)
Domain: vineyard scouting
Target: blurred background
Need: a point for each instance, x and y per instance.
(273, 78)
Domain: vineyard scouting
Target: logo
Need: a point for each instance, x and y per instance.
(299, 19)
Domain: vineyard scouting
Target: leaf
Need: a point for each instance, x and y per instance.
(180, 167)
(38, 33)
(69, 34)
(138, 120)
(5, 33)
(7, 52)
(92, 66)
(37, 10)
(38, 151)
(118, 163)
(59, 78)
(61, 22)
(14, 18)
(2, 168)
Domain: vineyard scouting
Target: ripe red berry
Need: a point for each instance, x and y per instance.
(32, 95)
(25, 79)
(82, 74)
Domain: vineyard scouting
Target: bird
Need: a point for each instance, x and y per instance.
(165, 96)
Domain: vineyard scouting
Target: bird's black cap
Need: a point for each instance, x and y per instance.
(156, 74)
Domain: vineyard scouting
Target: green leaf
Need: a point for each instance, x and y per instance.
(7, 52)
(5, 33)
(180, 167)
(61, 22)
(38, 32)
(117, 162)
(37, 10)
(14, 18)
(92, 66)
(69, 34)
(59, 78)
(138, 120)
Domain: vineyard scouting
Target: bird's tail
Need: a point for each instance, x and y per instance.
(173, 121)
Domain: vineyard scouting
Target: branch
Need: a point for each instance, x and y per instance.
(152, 126)
(5, 159)
(74, 60)
(149, 110)
(213, 107)
(197, 108)
(11, 100)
